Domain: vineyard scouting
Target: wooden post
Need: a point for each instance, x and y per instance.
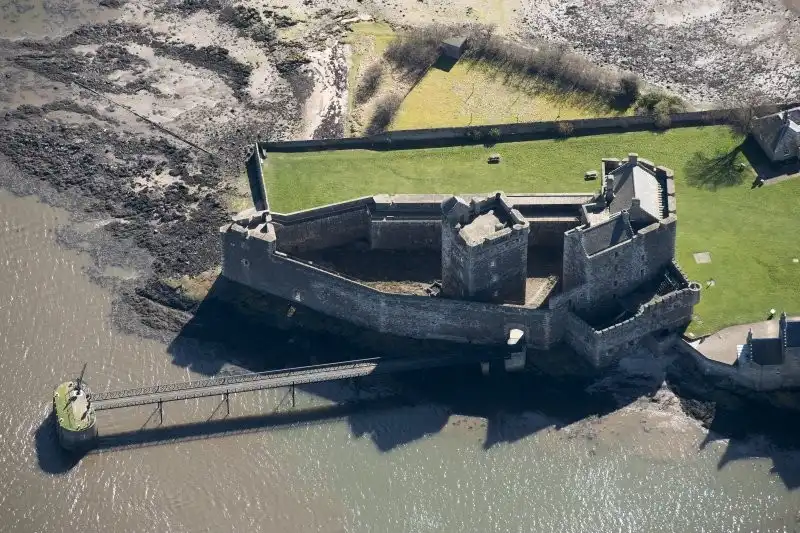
(228, 403)
(293, 396)
(160, 413)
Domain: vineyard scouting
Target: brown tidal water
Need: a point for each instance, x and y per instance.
(410, 469)
(403, 469)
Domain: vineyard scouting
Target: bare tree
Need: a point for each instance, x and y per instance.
(385, 109)
(744, 111)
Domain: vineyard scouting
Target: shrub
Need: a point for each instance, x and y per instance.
(385, 109)
(553, 62)
(494, 133)
(662, 119)
(263, 33)
(565, 129)
(369, 82)
(628, 91)
(416, 50)
(655, 103)
(744, 111)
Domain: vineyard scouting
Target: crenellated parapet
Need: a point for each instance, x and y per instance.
(604, 248)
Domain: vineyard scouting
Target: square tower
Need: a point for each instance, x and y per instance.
(484, 250)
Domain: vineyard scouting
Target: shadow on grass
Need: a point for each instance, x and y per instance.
(534, 85)
(723, 169)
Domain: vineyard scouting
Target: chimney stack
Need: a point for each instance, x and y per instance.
(633, 158)
(608, 193)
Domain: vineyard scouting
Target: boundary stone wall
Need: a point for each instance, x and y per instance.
(524, 131)
(745, 374)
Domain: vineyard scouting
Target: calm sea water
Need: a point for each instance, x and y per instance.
(411, 469)
(403, 469)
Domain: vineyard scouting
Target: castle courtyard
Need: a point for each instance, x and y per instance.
(742, 228)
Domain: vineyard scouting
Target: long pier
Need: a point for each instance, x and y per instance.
(238, 383)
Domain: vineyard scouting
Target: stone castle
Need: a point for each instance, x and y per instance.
(596, 271)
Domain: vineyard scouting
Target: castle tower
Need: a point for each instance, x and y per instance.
(484, 250)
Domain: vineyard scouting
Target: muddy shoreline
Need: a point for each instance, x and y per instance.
(87, 116)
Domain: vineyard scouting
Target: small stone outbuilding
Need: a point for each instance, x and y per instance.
(454, 47)
(774, 348)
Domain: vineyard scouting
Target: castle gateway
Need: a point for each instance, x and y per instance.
(594, 270)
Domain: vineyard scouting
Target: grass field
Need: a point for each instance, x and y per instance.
(65, 413)
(474, 93)
(750, 233)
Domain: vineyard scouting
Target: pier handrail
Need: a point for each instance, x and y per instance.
(229, 380)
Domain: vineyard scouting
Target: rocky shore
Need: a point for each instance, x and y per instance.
(139, 124)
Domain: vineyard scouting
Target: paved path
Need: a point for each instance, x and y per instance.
(721, 346)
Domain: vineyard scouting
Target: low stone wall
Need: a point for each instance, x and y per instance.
(324, 227)
(77, 441)
(417, 317)
(744, 374)
(403, 234)
(525, 131)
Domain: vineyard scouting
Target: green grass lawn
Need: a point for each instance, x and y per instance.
(474, 93)
(69, 420)
(750, 233)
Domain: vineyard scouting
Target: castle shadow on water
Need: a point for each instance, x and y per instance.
(596, 271)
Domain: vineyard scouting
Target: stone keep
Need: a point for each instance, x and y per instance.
(484, 250)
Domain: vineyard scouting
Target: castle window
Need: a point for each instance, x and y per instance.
(616, 254)
(641, 272)
(615, 283)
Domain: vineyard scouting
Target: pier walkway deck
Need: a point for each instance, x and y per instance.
(236, 383)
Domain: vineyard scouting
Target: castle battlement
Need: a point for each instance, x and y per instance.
(596, 270)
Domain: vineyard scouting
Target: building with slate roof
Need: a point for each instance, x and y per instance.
(627, 240)
(454, 47)
(779, 135)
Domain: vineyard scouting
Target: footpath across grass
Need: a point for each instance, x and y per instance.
(750, 233)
